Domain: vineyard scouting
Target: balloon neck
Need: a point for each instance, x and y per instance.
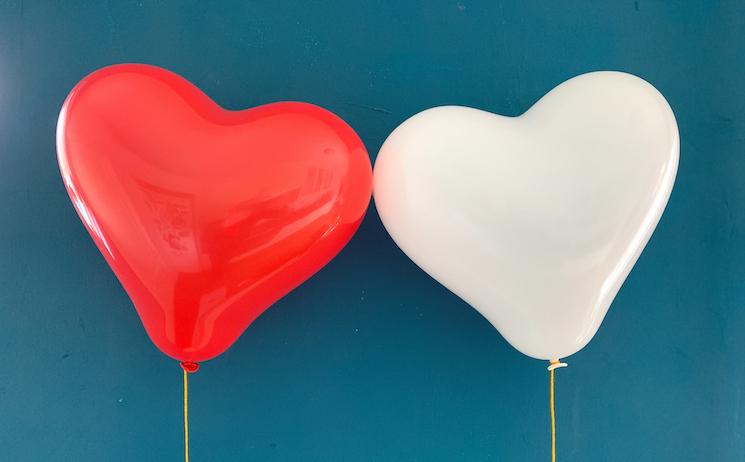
(189, 366)
(556, 364)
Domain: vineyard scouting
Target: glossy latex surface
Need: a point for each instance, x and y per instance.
(206, 216)
(534, 220)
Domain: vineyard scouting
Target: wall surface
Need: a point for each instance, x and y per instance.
(371, 359)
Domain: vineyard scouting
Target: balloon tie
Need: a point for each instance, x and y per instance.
(553, 365)
(189, 368)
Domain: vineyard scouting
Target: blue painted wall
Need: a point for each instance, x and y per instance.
(372, 360)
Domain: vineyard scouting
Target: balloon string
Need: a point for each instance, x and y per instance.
(186, 416)
(553, 364)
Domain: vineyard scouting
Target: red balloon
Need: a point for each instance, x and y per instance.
(207, 216)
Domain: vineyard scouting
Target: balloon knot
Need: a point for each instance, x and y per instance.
(189, 366)
(555, 364)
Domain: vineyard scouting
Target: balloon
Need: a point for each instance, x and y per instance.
(206, 216)
(534, 220)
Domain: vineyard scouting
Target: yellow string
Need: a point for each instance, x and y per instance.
(186, 416)
(553, 365)
(553, 417)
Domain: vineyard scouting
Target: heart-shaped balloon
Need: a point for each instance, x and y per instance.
(207, 216)
(533, 220)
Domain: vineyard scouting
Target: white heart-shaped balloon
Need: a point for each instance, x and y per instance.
(533, 220)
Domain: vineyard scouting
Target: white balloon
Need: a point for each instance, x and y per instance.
(534, 220)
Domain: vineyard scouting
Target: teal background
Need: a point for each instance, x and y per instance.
(372, 360)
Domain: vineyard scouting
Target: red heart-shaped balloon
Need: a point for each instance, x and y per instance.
(207, 216)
